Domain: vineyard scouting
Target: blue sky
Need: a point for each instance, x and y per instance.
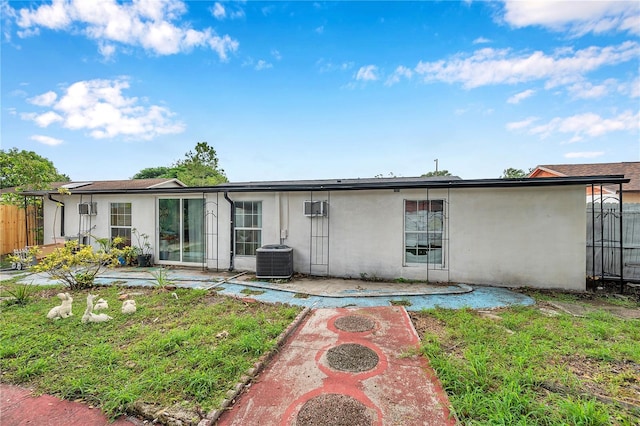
(307, 90)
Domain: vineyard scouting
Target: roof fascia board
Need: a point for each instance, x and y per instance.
(472, 183)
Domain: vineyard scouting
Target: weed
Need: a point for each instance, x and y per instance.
(401, 302)
(301, 296)
(372, 278)
(252, 292)
(408, 281)
(21, 294)
(162, 279)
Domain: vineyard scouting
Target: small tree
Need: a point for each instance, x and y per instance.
(512, 173)
(199, 168)
(75, 265)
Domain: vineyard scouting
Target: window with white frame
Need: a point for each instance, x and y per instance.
(248, 227)
(423, 231)
(121, 221)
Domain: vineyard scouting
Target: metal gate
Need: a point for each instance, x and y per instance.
(211, 234)
(613, 241)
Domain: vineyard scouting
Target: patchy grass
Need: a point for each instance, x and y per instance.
(252, 292)
(530, 369)
(166, 353)
(301, 296)
(401, 302)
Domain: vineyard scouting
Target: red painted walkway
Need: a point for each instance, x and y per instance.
(19, 407)
(400, 390)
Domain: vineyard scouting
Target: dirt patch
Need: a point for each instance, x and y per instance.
(585, 307)
(352, 357)
(593, 373)
(334, 410)
(425, 323)
(354, 323)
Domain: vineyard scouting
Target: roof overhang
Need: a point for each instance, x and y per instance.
(372, 184)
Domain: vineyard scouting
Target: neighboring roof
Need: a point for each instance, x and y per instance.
(446, 182)
(630, 170)
(116, 185)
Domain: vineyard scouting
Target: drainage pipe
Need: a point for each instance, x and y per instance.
(232, 225)
(61, 204)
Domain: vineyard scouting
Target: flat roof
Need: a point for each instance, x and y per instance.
(439, 182)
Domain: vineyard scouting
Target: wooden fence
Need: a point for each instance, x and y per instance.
(16, 224)
(603, 241)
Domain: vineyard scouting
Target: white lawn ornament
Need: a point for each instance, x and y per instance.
(89, 316)
(101, 305)
(64, 310)
(128, 306)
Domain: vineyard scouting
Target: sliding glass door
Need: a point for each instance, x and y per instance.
(181, 237)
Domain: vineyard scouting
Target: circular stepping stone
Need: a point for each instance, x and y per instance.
(352, 357)
(334, 410)
(354, 323)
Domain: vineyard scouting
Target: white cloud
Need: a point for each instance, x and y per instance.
(501, 66)
(218, 11)
(516, 125)
(578, 18)
(320, 29)
(398, 74)
(263, 65)
(515, 99)
(632, 88)
(276, 54)
(481, 40)
(328, 66)
(100, 107)
(153, 25)
(55, 16)
(107, 50)
(585, 154)
(367, 73)
(47, 140)
(46, 99)
(47, 118)
(587, 90)
(581, 126)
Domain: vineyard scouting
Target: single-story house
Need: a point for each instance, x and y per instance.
(608, 193)
(505, 232)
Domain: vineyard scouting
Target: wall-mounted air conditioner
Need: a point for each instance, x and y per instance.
(88, 208)
(316, 208)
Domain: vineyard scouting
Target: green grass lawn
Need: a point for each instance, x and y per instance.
(526, 368)
(170, 351)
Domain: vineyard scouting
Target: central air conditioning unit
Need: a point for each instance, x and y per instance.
(316, 208)
(274, 261)
(88, 208)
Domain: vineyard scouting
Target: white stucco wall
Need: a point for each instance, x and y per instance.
(143, 208)
(519, 237)
(497, 236)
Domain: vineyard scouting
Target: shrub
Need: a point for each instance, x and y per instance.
(75, 265)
